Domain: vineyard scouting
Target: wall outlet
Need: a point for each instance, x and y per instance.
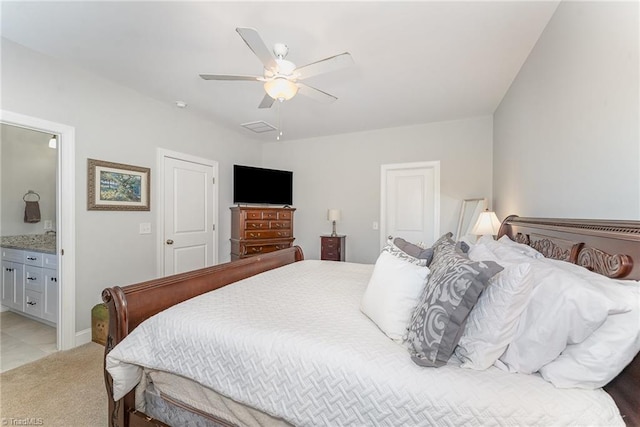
(48, 225)
(145, 228)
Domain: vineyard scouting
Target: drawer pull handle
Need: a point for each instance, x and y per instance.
(31, 303)
(169, 242)
(32, 278)
(53, 279)
(30, 258)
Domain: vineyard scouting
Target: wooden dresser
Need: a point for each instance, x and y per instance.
(258, 230)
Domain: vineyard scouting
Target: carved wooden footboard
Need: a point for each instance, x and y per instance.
(131, 305)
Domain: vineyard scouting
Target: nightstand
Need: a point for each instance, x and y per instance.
(332, 248)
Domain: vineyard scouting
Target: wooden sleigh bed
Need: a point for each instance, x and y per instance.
(610, 248)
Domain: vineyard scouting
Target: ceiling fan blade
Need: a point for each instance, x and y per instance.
(324, 65)
(257, 46)
(229, 77)
(316, 94)
(267, 101)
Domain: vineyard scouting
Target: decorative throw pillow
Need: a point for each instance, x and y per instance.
(414, 250)
(392, 294)
(445, 239)
(493, 321)
(451, 292)
(399, 253)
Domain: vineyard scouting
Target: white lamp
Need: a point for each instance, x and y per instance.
(333, 215)
(281, 88)
(487, 223)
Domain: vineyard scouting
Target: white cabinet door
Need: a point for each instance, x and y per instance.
(50, 300)
(8, 284)
(13, 285)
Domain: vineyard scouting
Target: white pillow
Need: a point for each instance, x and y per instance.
(563, 309)
(604, 354)
(505, 252)
(521, 248)
(392, 294)
(492, 323)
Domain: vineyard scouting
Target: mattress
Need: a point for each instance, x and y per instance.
(176, 400)
(292, 343)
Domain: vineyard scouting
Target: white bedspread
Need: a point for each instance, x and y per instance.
(292, 342)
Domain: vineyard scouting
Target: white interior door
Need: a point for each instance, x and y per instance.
(410, 202)
(189, 215)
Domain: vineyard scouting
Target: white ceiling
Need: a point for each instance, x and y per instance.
(415, 62)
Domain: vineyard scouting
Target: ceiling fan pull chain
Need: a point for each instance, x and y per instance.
(279, 102)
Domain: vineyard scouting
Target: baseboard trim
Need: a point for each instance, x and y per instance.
(83, 337)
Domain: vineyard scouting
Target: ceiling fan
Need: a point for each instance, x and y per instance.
(281, 78)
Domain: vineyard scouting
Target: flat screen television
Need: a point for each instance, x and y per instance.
(262, 186)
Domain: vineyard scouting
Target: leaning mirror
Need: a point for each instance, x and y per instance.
(469, 212)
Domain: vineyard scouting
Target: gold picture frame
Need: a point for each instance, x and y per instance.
(117, 187)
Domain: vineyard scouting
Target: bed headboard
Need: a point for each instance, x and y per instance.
(610, 248)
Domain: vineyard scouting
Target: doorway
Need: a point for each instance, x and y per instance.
(410, 202)
(65, 218)
(188, 206)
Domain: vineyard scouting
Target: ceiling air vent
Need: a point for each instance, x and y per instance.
(259, 126)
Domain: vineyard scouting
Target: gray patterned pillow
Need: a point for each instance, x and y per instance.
(399, 253)
(414, 250)
(453, 288)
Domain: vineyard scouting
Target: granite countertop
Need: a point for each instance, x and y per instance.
(45, 243)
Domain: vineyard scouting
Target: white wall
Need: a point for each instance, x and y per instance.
(566, 135)
(115, 124)
(27, 164)
(343, 171)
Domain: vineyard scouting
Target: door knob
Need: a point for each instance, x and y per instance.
(169, 242)
(390, 237)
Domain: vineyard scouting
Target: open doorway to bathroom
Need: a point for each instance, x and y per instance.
(66, 336)
(29, 288)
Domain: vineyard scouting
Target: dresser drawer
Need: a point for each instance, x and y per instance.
(287, 215)
(33, 278)
(331, 243)
(249, 249)
(267, 234)
(280, 225)
(258, 214)
(34, 258)
(253, 215)
(256, 225)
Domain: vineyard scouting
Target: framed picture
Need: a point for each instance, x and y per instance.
(117, 187)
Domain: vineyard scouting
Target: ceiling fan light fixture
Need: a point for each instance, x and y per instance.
(281, 88)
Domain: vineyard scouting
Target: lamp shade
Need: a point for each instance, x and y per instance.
(53, 142)
(333, 215)
(487, 223)
(281, 88)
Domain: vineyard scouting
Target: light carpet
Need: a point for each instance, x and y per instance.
(63, 389)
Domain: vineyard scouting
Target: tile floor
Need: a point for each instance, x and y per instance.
(23, 340)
